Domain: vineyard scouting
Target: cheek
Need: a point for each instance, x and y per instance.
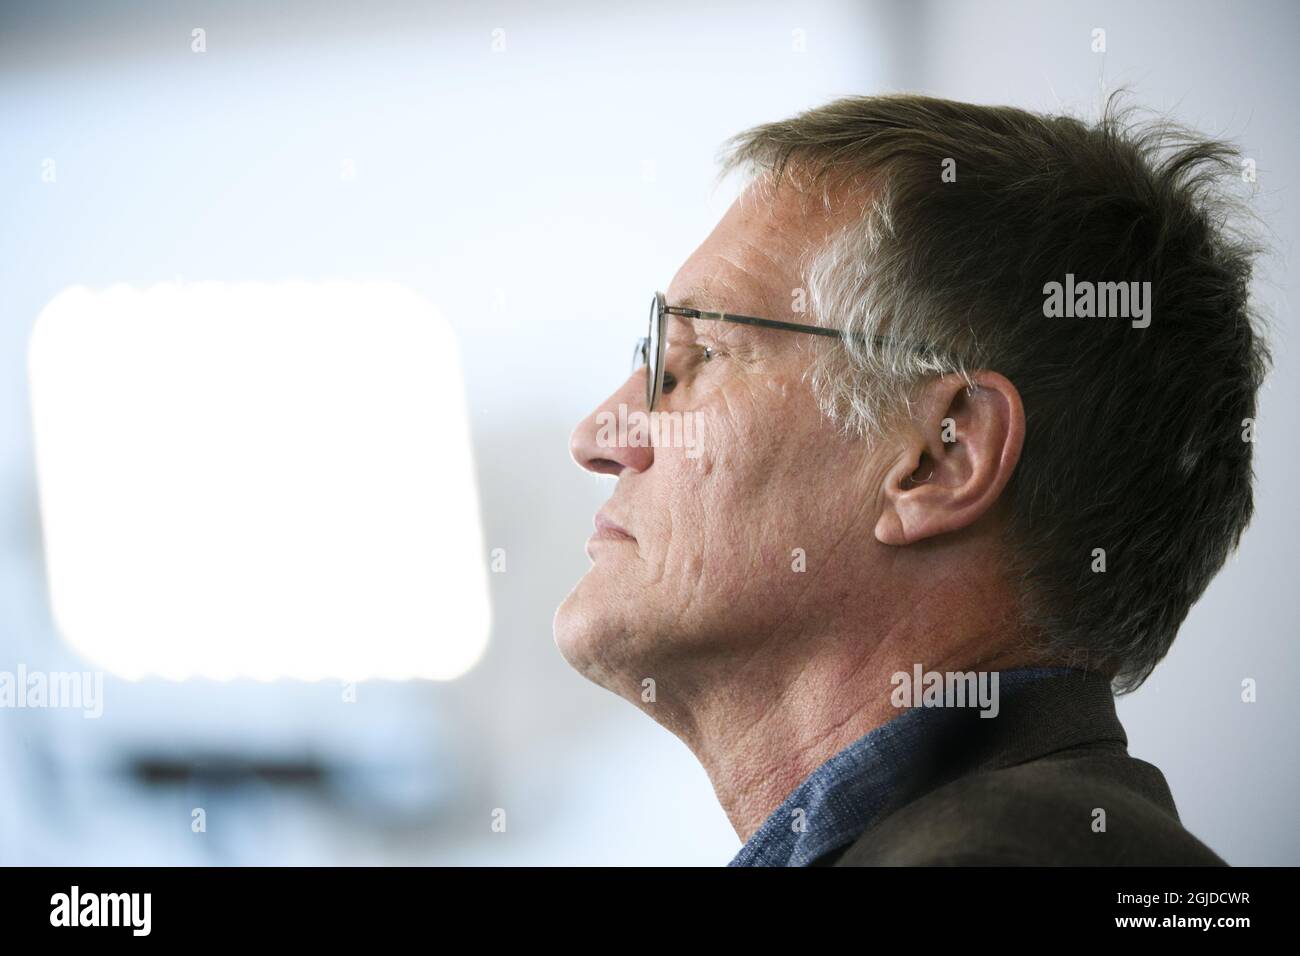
(777, 480)
(718, 503)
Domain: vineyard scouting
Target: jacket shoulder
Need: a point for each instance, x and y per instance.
(1084, 809)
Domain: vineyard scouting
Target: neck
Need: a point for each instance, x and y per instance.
(760, 728)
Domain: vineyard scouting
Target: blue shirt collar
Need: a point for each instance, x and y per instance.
(845, 795)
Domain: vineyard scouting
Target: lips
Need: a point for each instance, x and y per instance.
(607, 528)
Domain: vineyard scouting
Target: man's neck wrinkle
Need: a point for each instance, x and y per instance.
(833, 689)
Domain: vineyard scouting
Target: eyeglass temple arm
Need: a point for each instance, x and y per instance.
(769, 324)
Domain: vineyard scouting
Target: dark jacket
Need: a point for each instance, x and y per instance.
(1024, 788)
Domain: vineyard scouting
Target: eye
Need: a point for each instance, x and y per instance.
(707, 353)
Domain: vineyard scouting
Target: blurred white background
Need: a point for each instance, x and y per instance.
(533, 172)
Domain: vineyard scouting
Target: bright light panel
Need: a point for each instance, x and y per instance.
(258, 480)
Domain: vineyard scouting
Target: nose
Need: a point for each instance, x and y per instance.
(600, 442)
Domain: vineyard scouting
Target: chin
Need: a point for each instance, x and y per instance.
(574, 626)
(587, 632)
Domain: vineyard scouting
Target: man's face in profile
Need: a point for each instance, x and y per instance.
(708, 565)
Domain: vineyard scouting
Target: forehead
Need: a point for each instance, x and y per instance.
(754, 257)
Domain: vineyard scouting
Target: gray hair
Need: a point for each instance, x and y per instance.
(1134, 439)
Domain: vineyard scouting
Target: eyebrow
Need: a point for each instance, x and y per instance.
(700, 298)
(695, 297)
(703, 298)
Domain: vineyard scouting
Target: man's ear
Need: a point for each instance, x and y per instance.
(957, 454)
